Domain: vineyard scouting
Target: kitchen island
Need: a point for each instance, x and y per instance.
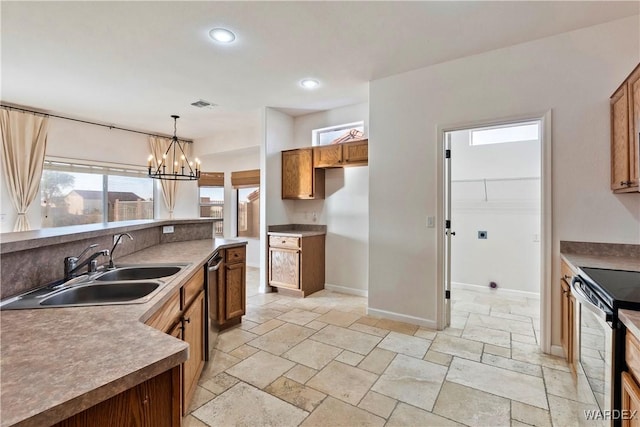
(61, 361)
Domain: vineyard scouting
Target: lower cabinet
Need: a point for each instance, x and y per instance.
(567, 315)
(296, 263)
(193, 333)
(153, 403)
(228, 295)
(182, 316)
(630, 393)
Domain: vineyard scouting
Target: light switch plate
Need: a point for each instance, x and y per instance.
(167, 229)
(431, 222)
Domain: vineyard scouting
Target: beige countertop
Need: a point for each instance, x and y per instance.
(296, 233)
(60, 361)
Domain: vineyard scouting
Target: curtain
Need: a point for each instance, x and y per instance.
(158, 147)
(24, 142)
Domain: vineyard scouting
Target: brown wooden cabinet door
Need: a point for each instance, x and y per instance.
(235, 298)
(620, 173)
(193, 334)
(634, 126)
(152, 403)
(565, 318)
(327, 156)
(297, 174)
(299, 178)
(630, 401)
(284, 268)
(355, 153)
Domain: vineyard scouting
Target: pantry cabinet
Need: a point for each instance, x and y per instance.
(625, 138)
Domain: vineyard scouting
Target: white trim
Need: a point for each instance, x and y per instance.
(402, 318)
(498, 291)
(557, 350)
(346, 290)
(545, 218)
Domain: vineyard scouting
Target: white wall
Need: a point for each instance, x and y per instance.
(573, 74)
(509, 212)
(345, 209)
(278, 135)
(227, 162)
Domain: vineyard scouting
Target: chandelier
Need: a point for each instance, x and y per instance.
(174, 164)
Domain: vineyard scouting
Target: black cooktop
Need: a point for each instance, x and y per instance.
(619, 288)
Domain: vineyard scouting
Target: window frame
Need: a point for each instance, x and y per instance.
(257, 187)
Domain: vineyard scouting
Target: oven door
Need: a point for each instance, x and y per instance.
(596, 343)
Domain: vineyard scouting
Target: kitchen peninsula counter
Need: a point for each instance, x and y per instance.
(57, 362)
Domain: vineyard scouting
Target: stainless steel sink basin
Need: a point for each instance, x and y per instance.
(101, 293)
(127, 284)
(139, 273)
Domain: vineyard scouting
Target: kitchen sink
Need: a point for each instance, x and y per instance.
(95, 293)
(126, 284)
(139, 273)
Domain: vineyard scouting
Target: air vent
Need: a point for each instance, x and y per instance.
(201, 103)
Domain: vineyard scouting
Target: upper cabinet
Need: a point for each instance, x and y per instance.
(625, 138)
(300, 180)
(354, 153)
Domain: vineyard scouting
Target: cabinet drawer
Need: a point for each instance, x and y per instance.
(167, 315)
(235, 255)
(632, 355)
(284, 242)
(192, 287)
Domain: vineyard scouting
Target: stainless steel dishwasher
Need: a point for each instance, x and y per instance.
(211, 301)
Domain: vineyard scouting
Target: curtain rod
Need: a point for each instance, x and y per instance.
(10, 107)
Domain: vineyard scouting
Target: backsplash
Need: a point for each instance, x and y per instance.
(600, 249)
(23, 270)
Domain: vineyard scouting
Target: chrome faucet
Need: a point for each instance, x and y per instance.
(71, 266)
(113, 249)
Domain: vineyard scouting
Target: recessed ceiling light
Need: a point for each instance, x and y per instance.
(309, 83)
(222, 35)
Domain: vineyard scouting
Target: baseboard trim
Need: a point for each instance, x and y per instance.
(556, 350)
(499, 291)
(402, 318)
(345, 290)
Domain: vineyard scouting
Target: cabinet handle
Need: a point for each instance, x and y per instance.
(566, 277)
(625, 183)
(186, 319)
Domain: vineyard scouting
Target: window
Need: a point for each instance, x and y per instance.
(337, 134)
(249, 212)
(212, 206)
(211, 187)
(247, 185)
(502, 134)
(73, 194)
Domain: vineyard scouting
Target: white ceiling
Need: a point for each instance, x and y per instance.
(133, 64)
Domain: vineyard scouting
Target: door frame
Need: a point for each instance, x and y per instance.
(546, 263)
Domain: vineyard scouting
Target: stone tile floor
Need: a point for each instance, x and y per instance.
(320, 361)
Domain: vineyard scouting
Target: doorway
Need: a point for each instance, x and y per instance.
(495, 233)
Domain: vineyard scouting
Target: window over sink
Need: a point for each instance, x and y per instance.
(87, 193)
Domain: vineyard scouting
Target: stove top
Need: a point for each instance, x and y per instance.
(619, 288)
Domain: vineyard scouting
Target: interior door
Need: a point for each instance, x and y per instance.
(447, 230)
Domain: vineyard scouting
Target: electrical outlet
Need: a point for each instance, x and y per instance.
(431, 222)
(482, 234)
(167, 229)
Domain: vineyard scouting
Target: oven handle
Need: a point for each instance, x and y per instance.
(607, 316)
